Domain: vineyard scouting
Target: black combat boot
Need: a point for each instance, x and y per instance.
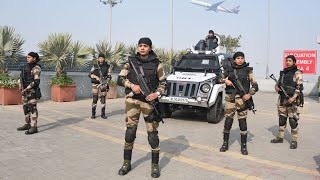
(244, 149)
(93, 116)
(225, 145)
(155, 170)
(293, 145)
(126, 167)
(32, 130)
(103, 113)
(24, 127)
(277, 140)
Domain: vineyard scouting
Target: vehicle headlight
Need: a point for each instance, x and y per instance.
(205, 88)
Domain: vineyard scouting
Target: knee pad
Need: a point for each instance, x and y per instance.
(243, 124)
(282, 120)
(103, 99)
(32, 108)
(26, 109)
(131, 134)
(153, 139)
(293, 123)
(95, 99)
(228, 123)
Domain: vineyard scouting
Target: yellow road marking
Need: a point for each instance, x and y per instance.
(208, 148)
(179, 158)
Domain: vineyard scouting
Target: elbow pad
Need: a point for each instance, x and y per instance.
(120, 81)
(255, 86)
(36, 83)
(300, 87)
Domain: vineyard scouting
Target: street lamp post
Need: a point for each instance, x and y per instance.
(111, 3)
(268, 42)
(171, 53)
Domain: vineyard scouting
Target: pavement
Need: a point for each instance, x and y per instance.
(70, 145)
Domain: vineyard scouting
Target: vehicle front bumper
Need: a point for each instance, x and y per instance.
(184, 101)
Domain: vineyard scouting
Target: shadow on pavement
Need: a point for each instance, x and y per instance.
(235, 136)
(117, 112)
(275, 129)
(317, 159)
(64, 122)
(184, 115)
(141, 160)
(170, 148)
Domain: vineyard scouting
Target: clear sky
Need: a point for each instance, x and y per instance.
(294, 24)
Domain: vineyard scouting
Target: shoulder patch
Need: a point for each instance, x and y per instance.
(36, 69)
(126, 65)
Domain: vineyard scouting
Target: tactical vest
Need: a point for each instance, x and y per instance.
(243, 77)
(27, 75)
(150, 75)
(104, 70)
(286, 80)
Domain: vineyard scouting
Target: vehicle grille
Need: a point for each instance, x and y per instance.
(182, 89)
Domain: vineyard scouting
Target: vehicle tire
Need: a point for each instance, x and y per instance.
(215, 112)
(165, 111)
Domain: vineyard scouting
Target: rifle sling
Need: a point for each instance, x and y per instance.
(141, 69)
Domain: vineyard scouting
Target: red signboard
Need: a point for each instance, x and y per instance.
(306, 60)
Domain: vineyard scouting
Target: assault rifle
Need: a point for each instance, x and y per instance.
(23, 91)
(300, 98)
(103, 81)
(146, 91)
(249, 103)
(281, 87)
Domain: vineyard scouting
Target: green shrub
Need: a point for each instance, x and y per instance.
(61, 80)
(112, 83)
(8, 82)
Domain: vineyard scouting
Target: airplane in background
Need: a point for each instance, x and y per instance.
(216, 7)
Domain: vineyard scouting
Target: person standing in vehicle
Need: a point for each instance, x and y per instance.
(147, 63)
(29, 85)
(291, 80)
(212, 37)
(243, 74)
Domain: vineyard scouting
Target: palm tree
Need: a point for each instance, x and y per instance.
(131, 50)
(56, 50)
(178, 54)
(10, 47)
(60, 52)
(118, 56)
(166, 57)
(115, 56)
(78, 56)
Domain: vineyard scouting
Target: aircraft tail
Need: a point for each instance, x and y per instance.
(236, 10)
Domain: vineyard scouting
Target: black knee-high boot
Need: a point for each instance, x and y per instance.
(244, 149)
(126, 167)
(225, 145)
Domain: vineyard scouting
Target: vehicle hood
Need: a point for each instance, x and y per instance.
(190, 76)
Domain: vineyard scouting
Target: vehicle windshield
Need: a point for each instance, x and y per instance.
(198, 64)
